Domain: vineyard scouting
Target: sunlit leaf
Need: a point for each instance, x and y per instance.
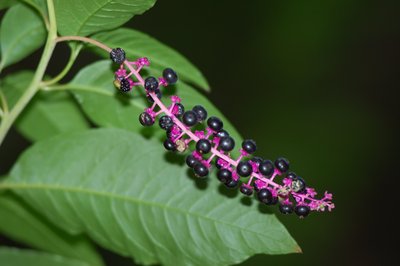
(77, 17)
(19, 257)
(122, 191)
(20, 222)
(22, 32)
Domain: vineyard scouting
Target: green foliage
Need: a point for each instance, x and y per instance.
(139, 204)
(20, 37)
(14, 85)
(49, 114)
(6, 3)
(138, 44)
(18, 257)
(20, 222)
(77, 17)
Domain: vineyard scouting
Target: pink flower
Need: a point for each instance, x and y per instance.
(311, 192)
(175, 99)
(162, 82)
(287, 182)
(327, 195)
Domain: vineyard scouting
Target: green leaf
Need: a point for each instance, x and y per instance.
(14, 85)
(49, 114)
(120, 189)
(6, 3)
(77, 17)
(22, 32)
(107, 107)
(19, 257)
(20, 222)
(138, 44)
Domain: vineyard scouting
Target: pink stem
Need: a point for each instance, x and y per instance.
(215, 152)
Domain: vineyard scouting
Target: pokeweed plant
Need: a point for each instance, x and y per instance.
(110, 185)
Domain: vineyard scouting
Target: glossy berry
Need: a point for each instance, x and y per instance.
(291, 175)
(224, 175)
(170, 76)
(226, 143)
(200, 170)
(189, 118)
(298, 184)
(244, 168)
(222, 133)
(231, 183)
(265, 196)
(203, 146)
(124, 85)
(201, 113)
(285, 209)
(145, 119)
(191, 161)
(151, 84)
(302, 211)
(249, 146)
(166, 122)
(158, 94)
(266, 168)
(169, 145)
(246, 190)
(282, 164)
(180, 108)
(117, 55)
(257, 159)
(215, 123)
(274, 200)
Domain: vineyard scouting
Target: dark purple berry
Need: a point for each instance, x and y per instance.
(189, 118)
(291, 175)
(231, 183)
(145, 119)
(200, 170)
(181, 109)
(215, 123)
(166, 122)
(201, 113)
(203, 146)
(226, 143)
(169, 145)
(244, 168)
(285, 209)
(246, 190)
(249, 146)
(158, 94)
(224, 175)
(222, 133)
(298, 184)
(117, 55)
(282, 164)
(264, 195)
(266, 168)
(191, 161)
(274, 201)
(170, 76)
(151, 84)
(125, 86)
(302, 211)
(257, 159)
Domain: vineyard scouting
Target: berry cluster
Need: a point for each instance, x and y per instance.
(214, 144)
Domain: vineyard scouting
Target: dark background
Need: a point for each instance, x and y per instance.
(314, 81)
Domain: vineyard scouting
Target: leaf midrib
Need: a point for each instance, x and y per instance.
(22, 186)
